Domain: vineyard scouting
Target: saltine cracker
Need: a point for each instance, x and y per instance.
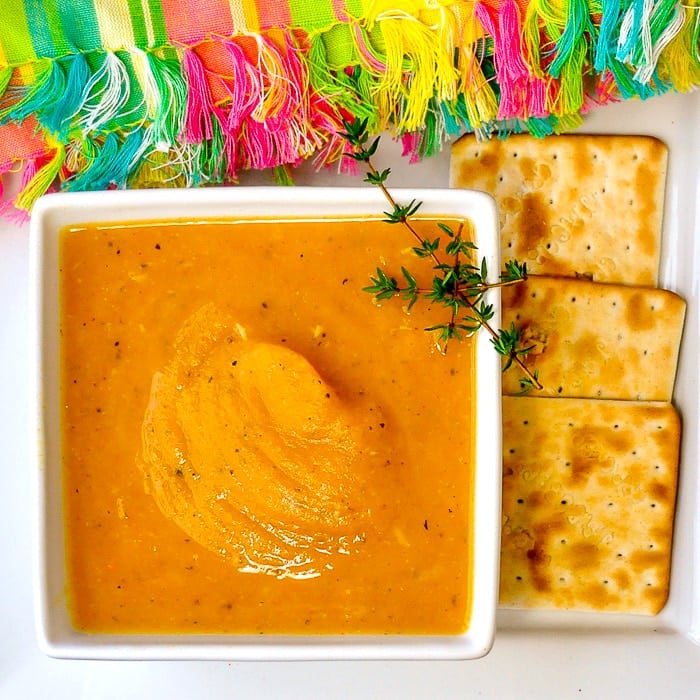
(593, 340)
(589, 490)
(573, 205)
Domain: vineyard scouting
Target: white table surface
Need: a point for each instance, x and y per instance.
(593, 662)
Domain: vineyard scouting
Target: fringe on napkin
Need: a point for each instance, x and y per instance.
(162, 112)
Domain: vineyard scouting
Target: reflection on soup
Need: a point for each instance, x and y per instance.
(251, 445)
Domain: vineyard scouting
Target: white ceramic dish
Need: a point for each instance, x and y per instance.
(56, 635)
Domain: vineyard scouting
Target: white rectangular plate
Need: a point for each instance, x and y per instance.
(534, 656)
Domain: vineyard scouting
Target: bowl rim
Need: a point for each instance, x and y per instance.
(55, 636)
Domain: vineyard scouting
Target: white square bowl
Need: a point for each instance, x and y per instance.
(56, 635)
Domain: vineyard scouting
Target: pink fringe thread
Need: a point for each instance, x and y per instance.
(411, 145)
(200, 104)
(522, 94)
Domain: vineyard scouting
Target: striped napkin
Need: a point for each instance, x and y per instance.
(98, 94)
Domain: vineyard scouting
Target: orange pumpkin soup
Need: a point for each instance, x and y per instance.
(251, 445)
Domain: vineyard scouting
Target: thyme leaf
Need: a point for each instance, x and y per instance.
(459, 280)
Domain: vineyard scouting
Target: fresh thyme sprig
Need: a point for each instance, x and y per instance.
(459, 284)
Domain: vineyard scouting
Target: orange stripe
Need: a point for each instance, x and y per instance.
(20, 142)
(275, 14)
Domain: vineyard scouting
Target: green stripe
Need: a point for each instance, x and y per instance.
(14, 33)
(45, 29)
(138, 23)
(79, 24)
(311, 16)
(160, 31)
(355, 8)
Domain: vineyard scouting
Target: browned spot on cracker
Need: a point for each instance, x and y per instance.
(538, 559)
(528, 169)
(622, 578)
(593, 448)
(583, 555)
(659, 491)
(646, 203)
(642, 560)
(535, 220)
(491, 161)
(640, 315)
(582, 160)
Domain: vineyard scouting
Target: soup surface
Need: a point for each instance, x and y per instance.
(251, 444)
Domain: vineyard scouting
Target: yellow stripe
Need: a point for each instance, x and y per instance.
(139, 63)
(149, 22)
(240, 23)
(245, 15)
(29, 72)
(114, 21)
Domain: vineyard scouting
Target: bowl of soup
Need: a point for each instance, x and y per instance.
(240, 452)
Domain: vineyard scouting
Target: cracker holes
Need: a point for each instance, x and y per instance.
(518, 578)
(521, 500)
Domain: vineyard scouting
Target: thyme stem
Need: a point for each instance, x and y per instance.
(405, 220)
(460, 285)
